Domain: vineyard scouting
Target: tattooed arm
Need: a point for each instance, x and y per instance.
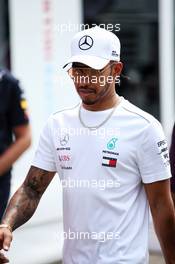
(26, 199)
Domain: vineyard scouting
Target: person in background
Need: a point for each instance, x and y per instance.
(15, 136)
(172, 162)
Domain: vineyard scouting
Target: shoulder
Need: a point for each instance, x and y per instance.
(67, 112)
(9, 87)
(137, 114)
(143, 123)
(9, 84)
(152, 133)
(60, 116)
(7, 77)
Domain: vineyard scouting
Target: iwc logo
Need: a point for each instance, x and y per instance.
(85, 43)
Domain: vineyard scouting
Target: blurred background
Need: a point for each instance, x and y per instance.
(35, 40)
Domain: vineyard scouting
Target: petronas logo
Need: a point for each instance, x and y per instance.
(112, 143)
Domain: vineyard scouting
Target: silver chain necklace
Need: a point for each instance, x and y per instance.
(101, 124)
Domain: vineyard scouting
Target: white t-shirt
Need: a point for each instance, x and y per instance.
(105, 208)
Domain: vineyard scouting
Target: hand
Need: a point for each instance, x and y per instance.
(5, 241)
(3, 259)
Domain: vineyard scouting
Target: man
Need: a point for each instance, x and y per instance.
(13, 123)
(111, 157)
(172, 161)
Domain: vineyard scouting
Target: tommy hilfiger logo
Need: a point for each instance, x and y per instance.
(109, 162)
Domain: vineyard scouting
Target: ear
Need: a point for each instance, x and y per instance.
(118, 68)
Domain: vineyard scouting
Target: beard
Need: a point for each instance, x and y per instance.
(98, 98)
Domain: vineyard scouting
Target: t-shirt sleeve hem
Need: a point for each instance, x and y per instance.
(43, 166)
(158, 177)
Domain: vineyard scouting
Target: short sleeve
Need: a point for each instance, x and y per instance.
(18, 106)
(44, 155)
(153, 154)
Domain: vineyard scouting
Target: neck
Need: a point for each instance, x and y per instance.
(101, 105)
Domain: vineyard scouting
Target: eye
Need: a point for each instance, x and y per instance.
(76, 71)
(79, 71)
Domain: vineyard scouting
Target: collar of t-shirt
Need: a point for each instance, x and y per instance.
(94, 118)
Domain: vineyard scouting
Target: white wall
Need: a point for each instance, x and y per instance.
(166, 64)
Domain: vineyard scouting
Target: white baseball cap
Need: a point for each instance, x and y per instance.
(95, 47)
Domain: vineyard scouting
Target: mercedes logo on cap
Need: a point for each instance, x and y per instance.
(86, 42)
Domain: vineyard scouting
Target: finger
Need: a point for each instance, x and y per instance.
(1, 244)
(3, 259)
(7, 242)
(1, 241)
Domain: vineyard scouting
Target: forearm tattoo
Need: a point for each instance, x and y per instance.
(26, 199)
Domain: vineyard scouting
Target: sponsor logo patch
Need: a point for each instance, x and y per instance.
(85, 43)
(112, 143)
(114, 53)
(109, 162)
(163, 152)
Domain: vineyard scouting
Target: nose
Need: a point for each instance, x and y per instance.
(83, 81)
